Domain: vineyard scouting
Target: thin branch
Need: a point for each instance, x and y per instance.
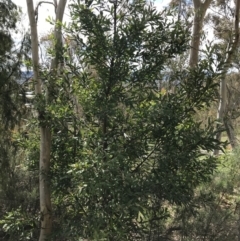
(145, 159)
(47, 2)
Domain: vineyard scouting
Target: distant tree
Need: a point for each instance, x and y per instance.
(9, 63)
(230, 44)
(11, 103)
(213, 214)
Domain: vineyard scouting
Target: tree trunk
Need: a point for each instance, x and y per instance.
(34, 46)
(228, 122)
(44, 184)
(45, 132)
(221, 109)
(45, 137)
(222, 112)
(58, 34)
(200, 11)
(230, 132)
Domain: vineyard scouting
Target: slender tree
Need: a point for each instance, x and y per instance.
(45, 132)
(222, 111)
(200, 9)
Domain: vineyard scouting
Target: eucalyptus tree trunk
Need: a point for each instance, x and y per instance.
(45, 132)
(200, 9)
(222, 111)
(221, 108)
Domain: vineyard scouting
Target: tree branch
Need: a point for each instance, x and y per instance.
(34, 45)
(39, 4)
(206, 4)
(58, 31)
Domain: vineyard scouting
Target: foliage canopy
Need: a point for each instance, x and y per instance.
(139, 147)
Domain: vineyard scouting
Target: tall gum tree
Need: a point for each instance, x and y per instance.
(200, 9)
(45, 132)
(222, 108)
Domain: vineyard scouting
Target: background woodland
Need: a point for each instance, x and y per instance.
(121, 123)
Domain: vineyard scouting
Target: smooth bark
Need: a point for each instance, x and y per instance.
(45, 132)
(44, 184)
(200, 9)
(58, 34)
(34, 46)
(45, 137)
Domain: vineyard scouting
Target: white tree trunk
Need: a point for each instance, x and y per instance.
(45, 132)
(34, 46)
(45, 137)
